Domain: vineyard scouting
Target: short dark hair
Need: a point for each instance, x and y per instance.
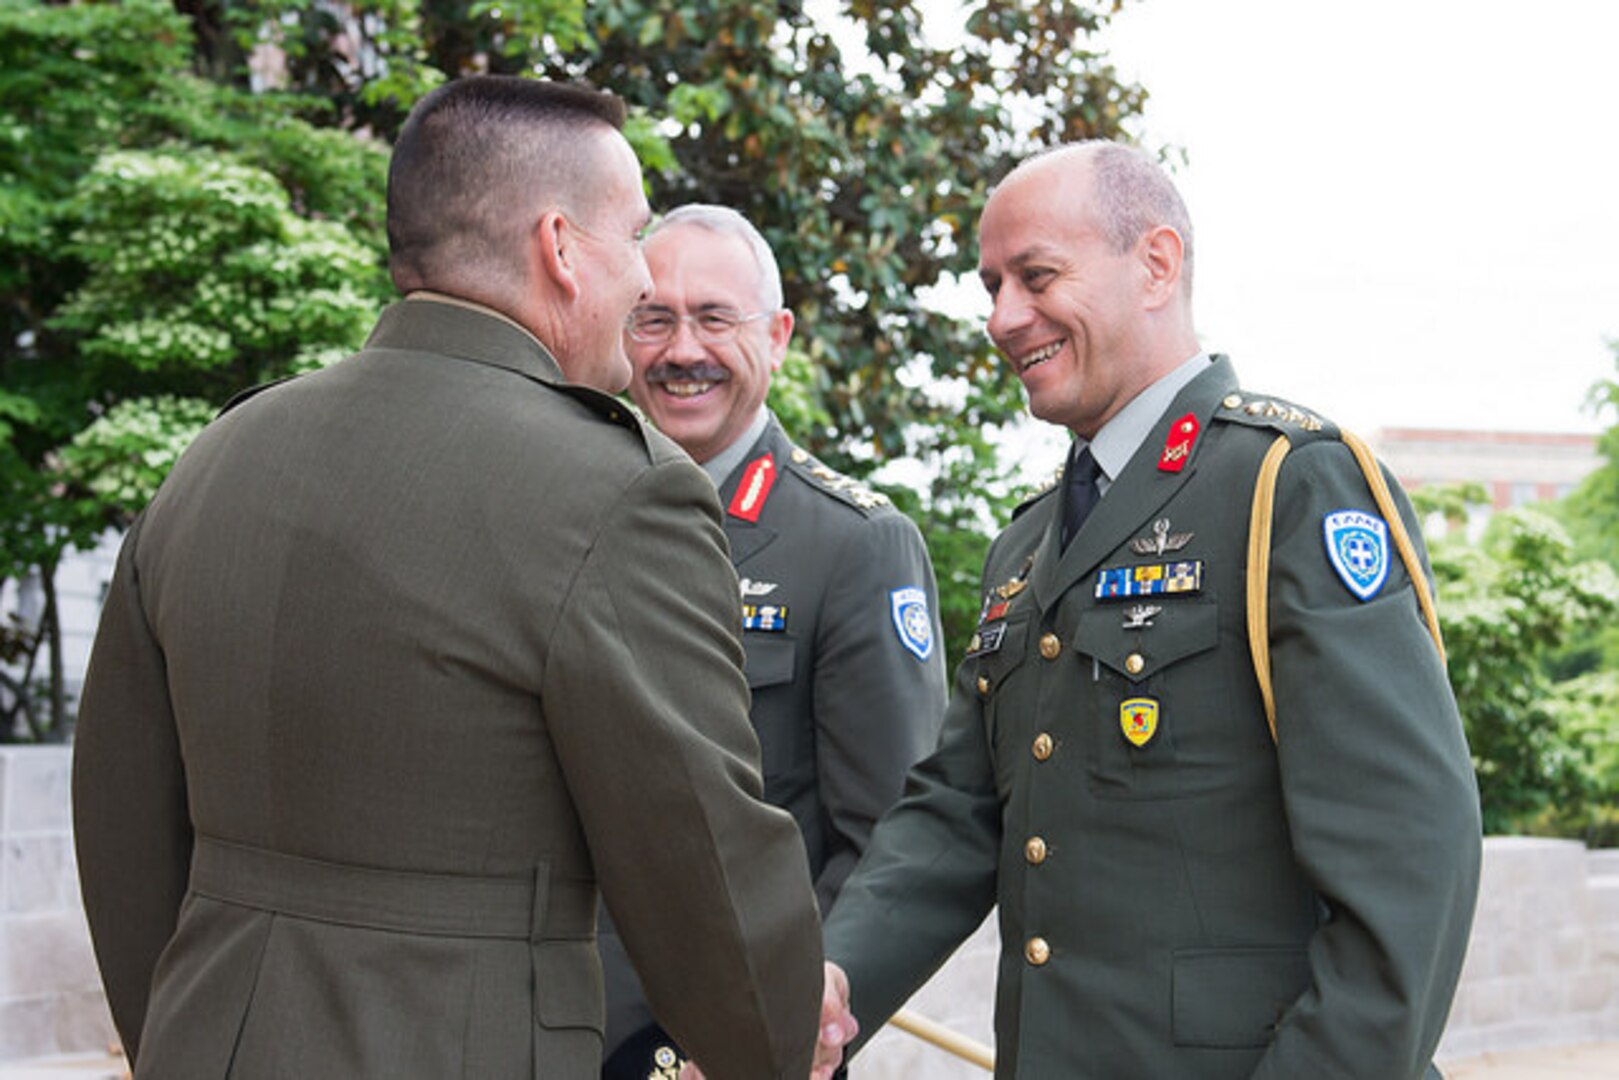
(472, 155)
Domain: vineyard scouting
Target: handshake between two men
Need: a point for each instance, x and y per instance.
(838, 1029)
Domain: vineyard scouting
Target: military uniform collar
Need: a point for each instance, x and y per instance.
(720, 467)
(451, 326)
(1144, 488)
(1118, 442)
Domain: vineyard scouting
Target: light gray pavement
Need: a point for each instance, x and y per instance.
(1546, 1063)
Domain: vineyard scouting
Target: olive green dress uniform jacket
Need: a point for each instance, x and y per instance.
(845, 697)
(406, 657)
(1208, 904)
(847, 694)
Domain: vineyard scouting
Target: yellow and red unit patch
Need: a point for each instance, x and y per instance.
(1138, 719)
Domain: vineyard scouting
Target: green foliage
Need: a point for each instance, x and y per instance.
(866, 176)
(193, 203)
(1507, 605)
(1589, 706)
(167, 241)
(1591, 515)
(1586, 666)
(865, 172)
(123, 456)
(201, 271)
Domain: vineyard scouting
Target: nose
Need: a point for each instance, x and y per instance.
(643, 273)
(1009, 316)
(684, 345)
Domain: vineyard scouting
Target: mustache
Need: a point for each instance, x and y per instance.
(664, 371)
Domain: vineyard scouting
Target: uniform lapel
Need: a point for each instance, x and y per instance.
(748, 538)
(1137, 494)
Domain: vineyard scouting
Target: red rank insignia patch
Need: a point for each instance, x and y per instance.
(1178, 446)
(754, 489)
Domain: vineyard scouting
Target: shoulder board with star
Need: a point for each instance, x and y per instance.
(834, 483)
(1258, 410)
(1037, 493)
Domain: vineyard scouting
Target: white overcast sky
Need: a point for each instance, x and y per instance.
(1406, 211)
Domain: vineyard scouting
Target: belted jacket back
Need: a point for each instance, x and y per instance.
(405, 658)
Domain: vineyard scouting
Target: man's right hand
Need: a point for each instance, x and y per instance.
(838, 1029)
(838, 1025)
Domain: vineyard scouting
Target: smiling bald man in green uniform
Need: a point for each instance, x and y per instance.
(1180, 896)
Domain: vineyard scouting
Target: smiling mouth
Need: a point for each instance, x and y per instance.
(1034, 359)
(684, 389)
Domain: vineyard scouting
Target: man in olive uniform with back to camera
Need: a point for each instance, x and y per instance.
(838, 594)
(1202, 749)
(410, 655)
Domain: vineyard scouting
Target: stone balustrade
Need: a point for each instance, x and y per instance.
(50, 995)
(1542, 968)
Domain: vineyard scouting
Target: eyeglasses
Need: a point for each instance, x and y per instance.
(658, 326)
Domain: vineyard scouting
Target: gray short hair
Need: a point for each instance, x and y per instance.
(724, 220)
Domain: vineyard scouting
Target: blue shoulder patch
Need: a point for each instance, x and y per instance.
(1358, 548)
(912, 622)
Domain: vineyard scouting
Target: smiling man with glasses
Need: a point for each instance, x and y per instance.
(838, 596)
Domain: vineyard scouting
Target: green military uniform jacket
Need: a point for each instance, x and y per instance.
(1180, 898)
(405, 659)
(844, 659)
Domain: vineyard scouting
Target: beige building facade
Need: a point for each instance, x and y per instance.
(1515, 468)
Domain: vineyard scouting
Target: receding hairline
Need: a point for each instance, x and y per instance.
(1130, 193)
(725, 221)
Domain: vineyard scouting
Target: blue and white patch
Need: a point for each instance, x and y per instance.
(1358, 547)
(912, 622)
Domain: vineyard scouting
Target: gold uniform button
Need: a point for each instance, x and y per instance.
(1134, 663)
(1037, 952)
(1043, 746)
(1035, 851)
(983, 684)
(1232, 401)
(1050, 646)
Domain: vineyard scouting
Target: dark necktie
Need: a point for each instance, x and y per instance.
(1080, 494)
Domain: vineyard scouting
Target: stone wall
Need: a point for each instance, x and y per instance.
(1543, 965)
(1542, 968)
(50, 994)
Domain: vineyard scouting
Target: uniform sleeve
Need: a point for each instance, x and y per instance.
(879, 684)
(1379, 793)
(646, 704)
(927, 879)
(132, 830)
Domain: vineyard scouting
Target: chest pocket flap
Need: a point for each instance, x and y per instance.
(767, 660)
(1181, 629)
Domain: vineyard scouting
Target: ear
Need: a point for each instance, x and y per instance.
(1161, 252)
(781, 332)
(552, 253)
